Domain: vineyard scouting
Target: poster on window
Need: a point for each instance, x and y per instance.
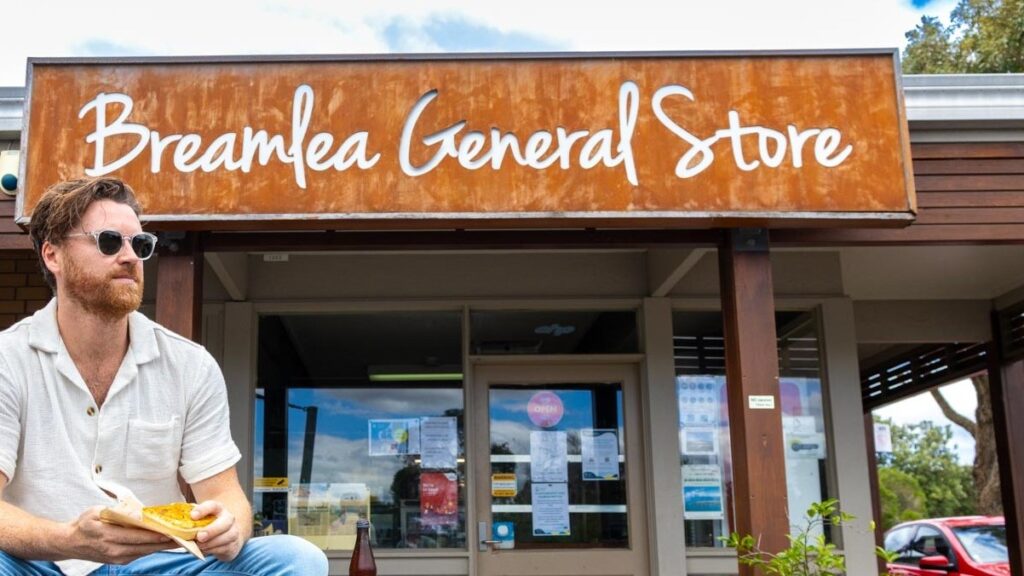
(802, 438)
(702, 492)
(439, 499)
(550, 509)
(799, 396)
(549, 460)
(327, 509)
(700, 441)
(394, 437)
(439, 443)
(698, 401)
(600, 454)
(883, 438)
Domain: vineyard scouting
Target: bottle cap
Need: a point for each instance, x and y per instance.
(363, 523)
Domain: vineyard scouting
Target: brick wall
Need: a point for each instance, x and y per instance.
(22, 288)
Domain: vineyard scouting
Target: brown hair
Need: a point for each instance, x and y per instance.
(62, 206)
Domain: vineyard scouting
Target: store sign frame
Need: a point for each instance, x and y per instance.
(637, 140)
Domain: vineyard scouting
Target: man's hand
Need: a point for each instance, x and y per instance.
(222, 538)
(92, 539)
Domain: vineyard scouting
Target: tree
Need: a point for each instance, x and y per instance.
(921, 452)
(983, 36)
(986, 463)
(901, 496)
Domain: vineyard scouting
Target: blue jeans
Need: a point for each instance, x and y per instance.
(267, 556)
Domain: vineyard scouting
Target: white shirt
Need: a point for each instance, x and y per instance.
(166, 412)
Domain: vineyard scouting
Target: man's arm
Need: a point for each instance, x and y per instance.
(221, 495)
(31, 538)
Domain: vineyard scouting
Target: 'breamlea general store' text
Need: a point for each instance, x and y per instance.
(471, 149)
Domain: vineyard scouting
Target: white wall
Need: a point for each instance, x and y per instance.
(464, 275)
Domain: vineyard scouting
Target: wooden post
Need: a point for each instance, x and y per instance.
(179, 290)
(1006, 381)
(179, 296)
(752, 370)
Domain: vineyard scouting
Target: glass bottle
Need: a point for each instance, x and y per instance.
(362, 563)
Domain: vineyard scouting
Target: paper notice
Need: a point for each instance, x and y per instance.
(600, 450)
(550, 509)
(439, 442)
(883, 438)
(702, 492)
(548, 457)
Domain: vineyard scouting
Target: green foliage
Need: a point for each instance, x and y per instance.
(929, 49)
(807, 555)
(983, 36)
(922, 477)
(901, 496)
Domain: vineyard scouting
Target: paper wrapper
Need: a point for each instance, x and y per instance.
(124, 517)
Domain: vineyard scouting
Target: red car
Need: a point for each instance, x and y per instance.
(974, 545)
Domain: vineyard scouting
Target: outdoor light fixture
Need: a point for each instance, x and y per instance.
(418, 377)
(9, 171)
(415, 373)
(554, 330)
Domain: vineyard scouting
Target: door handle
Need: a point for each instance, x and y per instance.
(484, 530)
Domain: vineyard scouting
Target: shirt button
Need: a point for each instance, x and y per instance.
(91, 411)
(99, 468)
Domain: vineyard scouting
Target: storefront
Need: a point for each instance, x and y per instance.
(492, 303)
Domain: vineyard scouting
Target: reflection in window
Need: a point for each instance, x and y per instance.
(984, 544)
(563, 443)
(705, 453)
(361, 416)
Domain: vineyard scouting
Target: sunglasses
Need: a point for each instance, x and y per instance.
(110, 242)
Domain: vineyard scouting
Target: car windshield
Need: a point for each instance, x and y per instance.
(984, 543)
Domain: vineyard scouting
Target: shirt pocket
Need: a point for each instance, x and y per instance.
(153, 450)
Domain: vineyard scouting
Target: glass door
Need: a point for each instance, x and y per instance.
(560, 472)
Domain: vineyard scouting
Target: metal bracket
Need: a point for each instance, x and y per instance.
(749, 239)
(170, 241)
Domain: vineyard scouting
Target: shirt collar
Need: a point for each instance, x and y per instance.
(44, 335)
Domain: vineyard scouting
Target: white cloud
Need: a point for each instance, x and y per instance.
(516, 434)
(923, 407)
(192, 27)
(388, 403)
(343, 461)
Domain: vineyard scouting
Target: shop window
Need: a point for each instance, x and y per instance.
(361, 416)
(553, 332)
(705, 454)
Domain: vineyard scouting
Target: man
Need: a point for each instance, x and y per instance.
(94, 396)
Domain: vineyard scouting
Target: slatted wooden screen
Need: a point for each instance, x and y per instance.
(705, 355)
(1011, 329)
(699, 355)
(920, 369)
(799, 355)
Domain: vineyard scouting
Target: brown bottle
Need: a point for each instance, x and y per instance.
(362, 563)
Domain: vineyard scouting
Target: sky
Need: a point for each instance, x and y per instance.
(192, 27)
(922, 407)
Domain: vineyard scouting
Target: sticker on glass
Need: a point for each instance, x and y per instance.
(545, 409)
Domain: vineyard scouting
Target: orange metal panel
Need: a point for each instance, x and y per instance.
(771, 139)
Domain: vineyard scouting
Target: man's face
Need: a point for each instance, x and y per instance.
(107, 286)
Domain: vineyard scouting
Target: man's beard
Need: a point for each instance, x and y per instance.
(100, 295)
